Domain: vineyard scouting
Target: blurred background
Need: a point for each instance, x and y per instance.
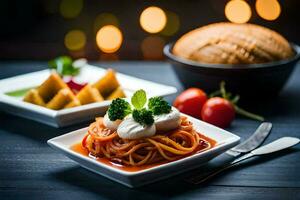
(125, 29)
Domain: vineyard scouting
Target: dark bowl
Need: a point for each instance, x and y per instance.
(255, 81)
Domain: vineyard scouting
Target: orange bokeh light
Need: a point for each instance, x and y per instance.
(109, 38)
(238, 11)
(153, 19)
(268, 9)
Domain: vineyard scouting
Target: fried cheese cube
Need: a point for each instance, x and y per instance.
(117, 93)
(73, 103)
(51, 86)
(61, 99)
(107, 84)
(88, 94)
(32, 96)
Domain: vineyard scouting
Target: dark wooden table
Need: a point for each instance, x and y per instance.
(30, 169)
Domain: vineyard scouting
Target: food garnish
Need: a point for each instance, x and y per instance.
(119, 109)
(76, 87)
(159, 106)
(65, 66)
(139, 99)
(143, 116)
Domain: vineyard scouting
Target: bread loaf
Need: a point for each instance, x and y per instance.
(229, 43)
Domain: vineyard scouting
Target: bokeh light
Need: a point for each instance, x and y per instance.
(268, 9)
(109, 38)
(172, 25)
(70, 8)
(153, 19)
(105, 19)
(238, 11)
(152, 47)
(75, 40)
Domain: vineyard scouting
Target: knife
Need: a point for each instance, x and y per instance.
(277, 145)
(254, 141)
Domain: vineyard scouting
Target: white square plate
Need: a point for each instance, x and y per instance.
(224, 141)
(74, 115)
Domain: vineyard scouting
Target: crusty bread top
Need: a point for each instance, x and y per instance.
(229, 43)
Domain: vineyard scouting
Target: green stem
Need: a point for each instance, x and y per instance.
(223, 90)
(215, 93)
(235, 99)
(248, 114)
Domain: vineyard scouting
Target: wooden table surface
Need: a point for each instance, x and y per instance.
(30, 169)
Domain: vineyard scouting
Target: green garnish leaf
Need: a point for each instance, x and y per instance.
(159, 106)
(143, 116)
(139, 99)
(118, 109)
(18, 93)
(64, 66)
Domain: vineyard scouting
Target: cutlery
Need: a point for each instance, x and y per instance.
(255, 140)
(277, 145)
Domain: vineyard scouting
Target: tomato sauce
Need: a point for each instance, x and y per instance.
(81, 150)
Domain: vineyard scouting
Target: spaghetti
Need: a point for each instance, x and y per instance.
(162, 147)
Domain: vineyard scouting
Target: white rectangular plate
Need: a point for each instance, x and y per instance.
(224, 140)
(74, 115)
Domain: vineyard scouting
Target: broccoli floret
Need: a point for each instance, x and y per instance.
(118, 109)
(159, 106)
(143, 116)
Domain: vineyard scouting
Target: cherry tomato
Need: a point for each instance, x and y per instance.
(218, 111)
(191, 102)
